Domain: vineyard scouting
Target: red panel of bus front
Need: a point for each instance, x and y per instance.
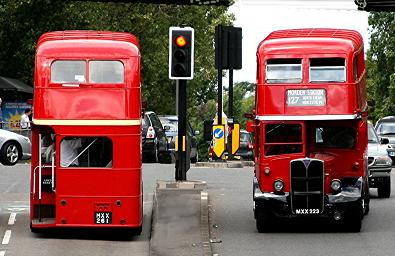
(340, 100)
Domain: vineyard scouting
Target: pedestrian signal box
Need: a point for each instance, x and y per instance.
(218, 140)
(181, 48)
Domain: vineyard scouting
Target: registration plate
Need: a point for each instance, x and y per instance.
(103, 217)
(307, 211)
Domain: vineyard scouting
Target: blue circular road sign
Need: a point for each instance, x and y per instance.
(218, 133)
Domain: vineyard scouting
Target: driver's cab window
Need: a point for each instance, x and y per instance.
(335, 137)
(283, 139)
(86, 152)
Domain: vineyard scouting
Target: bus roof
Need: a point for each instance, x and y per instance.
(77, 41)
(317, 40)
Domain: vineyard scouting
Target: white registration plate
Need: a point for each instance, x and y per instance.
(307, 211)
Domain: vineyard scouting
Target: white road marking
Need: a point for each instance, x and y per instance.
(7, 237)
(2, 253)
(11, 220)
(204, 195)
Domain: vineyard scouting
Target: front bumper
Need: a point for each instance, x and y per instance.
(280, 205)
(245, 154)
(378, 176)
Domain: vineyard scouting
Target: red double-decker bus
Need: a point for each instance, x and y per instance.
(311, 127)
(86, 134)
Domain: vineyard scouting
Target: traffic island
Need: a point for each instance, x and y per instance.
(180, 219)
(227, 164)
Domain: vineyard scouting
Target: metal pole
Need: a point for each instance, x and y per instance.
(230, 101)
(181, 164)
(219, 115)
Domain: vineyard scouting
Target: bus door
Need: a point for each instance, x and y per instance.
(43, 185)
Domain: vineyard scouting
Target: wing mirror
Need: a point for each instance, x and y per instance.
(384, 141)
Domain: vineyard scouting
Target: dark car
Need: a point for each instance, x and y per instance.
(171, 128)
(379, 164)
(246, 149)
(385, 129)
(153, 139)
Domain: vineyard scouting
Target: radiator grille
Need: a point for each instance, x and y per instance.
(307, 185)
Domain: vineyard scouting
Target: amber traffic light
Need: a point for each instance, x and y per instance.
(181, 53)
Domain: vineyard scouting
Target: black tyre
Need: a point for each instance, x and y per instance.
(263, 220)
(353, 221)
(164, 158)
(154, 158)
(367, 204)
(384, 190)
(9, 153)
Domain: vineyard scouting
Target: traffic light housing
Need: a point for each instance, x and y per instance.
(181, 48)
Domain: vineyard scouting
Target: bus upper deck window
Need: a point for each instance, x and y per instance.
(68, 71)
(327, 70)
(106, 72)
(283, 71)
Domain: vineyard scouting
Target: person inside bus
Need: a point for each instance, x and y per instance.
(48, 148)
(69, 152)
(344, 138)
(339, 137)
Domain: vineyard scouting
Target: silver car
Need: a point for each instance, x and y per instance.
(13, 147)
(379, 164)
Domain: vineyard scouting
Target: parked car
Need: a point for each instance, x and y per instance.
(379, 164)
(385, 128)
(153, 139)
(246, 149)
(13, 147)
(171, 128)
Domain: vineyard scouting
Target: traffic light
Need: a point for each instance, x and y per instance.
(376, 5)
(181, 41)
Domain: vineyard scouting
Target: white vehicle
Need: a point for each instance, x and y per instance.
(13, 147)
(379, 164)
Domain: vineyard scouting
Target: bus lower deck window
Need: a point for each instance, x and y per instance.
(86, 152)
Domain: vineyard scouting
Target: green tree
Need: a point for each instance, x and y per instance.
(23, 21)
(243, 101)
(381, 65)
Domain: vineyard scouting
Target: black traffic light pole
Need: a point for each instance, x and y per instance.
(219, 60)
(181, 164)
(181, 47)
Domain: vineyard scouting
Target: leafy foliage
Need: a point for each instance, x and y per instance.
(381, 65)
(23, 21)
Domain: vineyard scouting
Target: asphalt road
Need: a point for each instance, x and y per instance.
(232, 224)
(17, 240)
